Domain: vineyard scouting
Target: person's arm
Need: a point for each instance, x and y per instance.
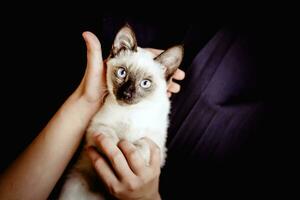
(35, 172)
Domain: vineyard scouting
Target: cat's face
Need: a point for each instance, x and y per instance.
(133, 75)
(131, 85)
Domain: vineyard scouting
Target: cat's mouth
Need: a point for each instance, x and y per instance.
(126, 101)
(126, 96)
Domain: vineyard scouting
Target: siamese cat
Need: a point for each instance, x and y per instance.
(136, 106)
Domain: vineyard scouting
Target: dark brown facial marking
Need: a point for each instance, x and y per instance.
(129, 90)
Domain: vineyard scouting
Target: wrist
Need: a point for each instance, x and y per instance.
(156, 196)
(81, 107)
(76, 112)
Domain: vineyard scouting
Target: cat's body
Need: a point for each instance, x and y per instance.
(136, 106)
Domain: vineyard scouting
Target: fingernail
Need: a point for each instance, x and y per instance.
(84, 34)
(144, 139)
(96, 135)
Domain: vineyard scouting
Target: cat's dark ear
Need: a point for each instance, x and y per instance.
(171, 59)
(124, 40)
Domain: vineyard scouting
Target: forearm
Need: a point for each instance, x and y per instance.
(34, 174)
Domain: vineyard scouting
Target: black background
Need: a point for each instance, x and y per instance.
(42, 62)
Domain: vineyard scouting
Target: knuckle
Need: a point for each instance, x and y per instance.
(115, 157)
(151, 175)
(98, 163)
(124, 145)
(157, 172)
(171, 85)
(115, 190)
(145, 178)
(132, 185)
(156, 149)
(133, 154)
(176, 87)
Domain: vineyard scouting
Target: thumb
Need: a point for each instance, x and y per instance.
(94, 67)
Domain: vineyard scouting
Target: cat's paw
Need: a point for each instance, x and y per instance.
(93, 133)
(144, 149)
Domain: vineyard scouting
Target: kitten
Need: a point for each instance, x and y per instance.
(136, 106)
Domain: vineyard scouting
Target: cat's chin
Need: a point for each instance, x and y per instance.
(124, 102)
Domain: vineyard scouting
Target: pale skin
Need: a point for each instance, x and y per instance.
(35, 172)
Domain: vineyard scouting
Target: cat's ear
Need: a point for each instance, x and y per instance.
(170, 59)
(124, 40)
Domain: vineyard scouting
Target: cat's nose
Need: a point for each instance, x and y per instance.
(127, 94)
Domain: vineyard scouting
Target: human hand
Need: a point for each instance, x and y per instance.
(93, 85)
(178, 75)
(130, 178)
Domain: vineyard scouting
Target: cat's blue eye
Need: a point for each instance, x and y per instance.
(145, 83)
(121, 73)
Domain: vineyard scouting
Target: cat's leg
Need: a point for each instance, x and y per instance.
(80, 181)
(76, 188)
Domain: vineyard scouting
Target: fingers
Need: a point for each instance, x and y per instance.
(94, 68)
(101, 167)
(131, 185)
(179, 74)
(134, 159)
(115, 156)
(137, 162)
(94, 53)
(173, 87)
